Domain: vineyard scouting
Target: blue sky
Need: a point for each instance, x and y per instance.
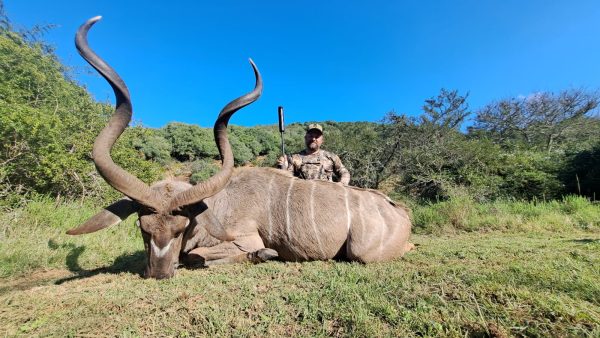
(323, 60)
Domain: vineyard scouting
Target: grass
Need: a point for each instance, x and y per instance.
(535, 272)
(463, 214)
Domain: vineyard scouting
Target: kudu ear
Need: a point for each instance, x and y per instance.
(111, 215)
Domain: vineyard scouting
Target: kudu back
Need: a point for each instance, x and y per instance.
(239, 215)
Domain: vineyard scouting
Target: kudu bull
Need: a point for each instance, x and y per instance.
(244, 214)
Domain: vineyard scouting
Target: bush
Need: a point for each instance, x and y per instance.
(152, 143)
(190, 142)
(581, 173)
(202, 170)
(530, 174)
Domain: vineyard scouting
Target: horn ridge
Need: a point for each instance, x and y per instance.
(115, 81)
(217, 182)
(114, 175)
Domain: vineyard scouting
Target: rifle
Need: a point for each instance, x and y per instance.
(281, 129)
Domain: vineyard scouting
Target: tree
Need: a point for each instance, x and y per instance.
(427, 153)
(446, 111)
(4, 21)
(540, 120)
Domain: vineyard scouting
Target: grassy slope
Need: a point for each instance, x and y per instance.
(524, 280)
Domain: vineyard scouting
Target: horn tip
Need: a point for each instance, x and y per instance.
(94, 20)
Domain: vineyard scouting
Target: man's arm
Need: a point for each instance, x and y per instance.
(282, 162)
(340, 170)
(288, 163)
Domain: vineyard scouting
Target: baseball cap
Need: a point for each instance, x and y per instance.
(314, 126)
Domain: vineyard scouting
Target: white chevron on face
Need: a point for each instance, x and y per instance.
(158, 252)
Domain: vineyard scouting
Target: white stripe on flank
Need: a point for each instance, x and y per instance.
(383, 226)
(158, 252)
(269, 208)
(287, 210)
(347, 208)
(312, 217)
(360, 211)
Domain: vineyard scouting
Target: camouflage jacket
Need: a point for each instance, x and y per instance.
(321, 165)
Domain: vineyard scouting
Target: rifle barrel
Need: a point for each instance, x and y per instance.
(281, 128)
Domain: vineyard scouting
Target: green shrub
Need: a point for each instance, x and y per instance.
(152, 143)
(190, 142)
(530, 174)
(202, 170)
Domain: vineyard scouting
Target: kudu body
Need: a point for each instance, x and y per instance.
(245, 214)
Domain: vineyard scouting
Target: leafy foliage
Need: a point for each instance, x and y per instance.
(202, 170)
(152, 143)
(581, 173)
(530, 174)
(539, 120)
(47, 125)
(190, 142)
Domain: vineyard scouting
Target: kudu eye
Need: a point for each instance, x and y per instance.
(182, 230)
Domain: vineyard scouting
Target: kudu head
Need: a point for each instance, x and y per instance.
(166, 209)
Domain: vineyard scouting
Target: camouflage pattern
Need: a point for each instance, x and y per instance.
(322, 165)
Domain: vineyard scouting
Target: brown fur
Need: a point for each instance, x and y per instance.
(256, 203)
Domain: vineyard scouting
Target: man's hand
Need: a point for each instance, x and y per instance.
(282, 162)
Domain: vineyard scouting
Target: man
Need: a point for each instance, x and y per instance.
(313, 163)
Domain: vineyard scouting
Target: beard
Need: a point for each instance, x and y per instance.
(313, 146)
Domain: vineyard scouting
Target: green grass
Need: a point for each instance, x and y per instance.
(34, 238)
(463, 214)
(536, 274)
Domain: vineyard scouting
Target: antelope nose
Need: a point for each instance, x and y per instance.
(165, 276)
(158, 275)
(161, 275)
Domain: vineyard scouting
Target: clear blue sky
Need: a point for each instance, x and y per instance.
(324, 60)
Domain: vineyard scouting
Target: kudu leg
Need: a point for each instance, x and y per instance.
(243, 249)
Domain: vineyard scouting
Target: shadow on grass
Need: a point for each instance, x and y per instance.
(586, 241)
(127, 263)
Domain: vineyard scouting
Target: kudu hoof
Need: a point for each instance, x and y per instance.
(262, 255)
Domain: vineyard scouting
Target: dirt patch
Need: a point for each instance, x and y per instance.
(33, 280)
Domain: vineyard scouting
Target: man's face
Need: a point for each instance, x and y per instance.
(313, 139)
